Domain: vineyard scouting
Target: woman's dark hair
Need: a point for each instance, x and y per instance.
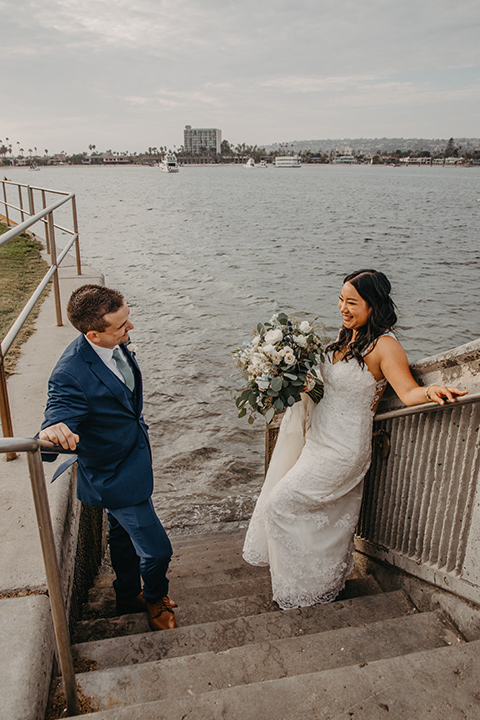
(374, 287)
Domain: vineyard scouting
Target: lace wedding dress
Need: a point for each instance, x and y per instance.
(307, 511)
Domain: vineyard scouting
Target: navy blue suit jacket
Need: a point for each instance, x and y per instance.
(114, 458)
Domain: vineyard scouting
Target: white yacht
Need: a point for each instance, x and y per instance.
(250, 164)
(344, 160)
(288, 161)
(169, 163)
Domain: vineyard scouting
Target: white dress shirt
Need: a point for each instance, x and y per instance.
(105, 355)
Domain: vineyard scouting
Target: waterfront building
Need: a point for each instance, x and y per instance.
(199, 140)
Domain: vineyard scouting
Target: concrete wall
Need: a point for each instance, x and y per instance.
(421, 506)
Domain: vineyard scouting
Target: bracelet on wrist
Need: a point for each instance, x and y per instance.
(427, 392)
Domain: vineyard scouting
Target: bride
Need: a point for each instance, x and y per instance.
(306, 514)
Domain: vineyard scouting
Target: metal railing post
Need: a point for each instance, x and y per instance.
(56, 284)
(5, 412)
(7, 218)
(60, 624)
(20, 202)
(75, 230)
(45, 222)
(31, 203)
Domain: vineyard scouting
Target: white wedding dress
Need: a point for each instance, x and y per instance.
(307, 511)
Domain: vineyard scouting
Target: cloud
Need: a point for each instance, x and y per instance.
(259, 68)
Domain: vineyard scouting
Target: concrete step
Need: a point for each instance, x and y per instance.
(196, 674)
(192, 614)
(224, 634)
(227, 534)
(227, 544)
(425, 685)
(195, 611)
(101, 601)
(223, 534)
(195, 580)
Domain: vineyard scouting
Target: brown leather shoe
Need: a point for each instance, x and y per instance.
(160, 614)
(172, 602)
(137, 605)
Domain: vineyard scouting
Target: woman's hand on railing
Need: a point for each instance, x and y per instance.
(440, 393)
(60, 434)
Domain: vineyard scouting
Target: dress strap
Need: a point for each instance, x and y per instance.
(389, 333)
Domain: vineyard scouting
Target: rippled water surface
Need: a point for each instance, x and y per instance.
(203, 255)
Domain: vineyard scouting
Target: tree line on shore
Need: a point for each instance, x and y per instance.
(231, 154)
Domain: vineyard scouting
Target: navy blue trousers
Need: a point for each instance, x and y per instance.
(139, 549)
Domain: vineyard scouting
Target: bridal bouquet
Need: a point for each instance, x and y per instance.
(277, 366)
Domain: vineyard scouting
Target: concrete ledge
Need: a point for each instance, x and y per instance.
(27, 639)
(26, 656)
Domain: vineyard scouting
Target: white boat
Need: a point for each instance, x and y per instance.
(288, 161)
(262, 164)
(169, 163)
(250, 164)
(344, 160)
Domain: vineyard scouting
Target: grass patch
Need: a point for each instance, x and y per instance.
(21, 269)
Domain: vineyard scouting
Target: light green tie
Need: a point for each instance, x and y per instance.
(124, 368)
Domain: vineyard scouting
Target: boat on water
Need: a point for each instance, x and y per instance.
(169, 163)
(288, 161)
(250, 164)
(34, 166)
(345, 160)
(262, 164)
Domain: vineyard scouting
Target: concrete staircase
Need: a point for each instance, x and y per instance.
(235, 656)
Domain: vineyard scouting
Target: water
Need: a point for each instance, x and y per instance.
(203, 255)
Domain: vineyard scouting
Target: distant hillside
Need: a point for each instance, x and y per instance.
(373, 145)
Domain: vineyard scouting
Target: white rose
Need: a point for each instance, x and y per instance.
(300, 340)
(268, 349)
(304, 327)
(288, 355)
(273, 336)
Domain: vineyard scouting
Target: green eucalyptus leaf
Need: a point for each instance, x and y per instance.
(242, 412)
(282, 318)
(276, 383)
(290, 376)
(253, 401)
(269, 414)
(278, 405)
(251, 420)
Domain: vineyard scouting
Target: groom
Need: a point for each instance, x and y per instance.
(94, 408)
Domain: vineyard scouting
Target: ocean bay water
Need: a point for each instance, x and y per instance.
(203, 255)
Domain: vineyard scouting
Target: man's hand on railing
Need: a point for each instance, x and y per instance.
(60, 434)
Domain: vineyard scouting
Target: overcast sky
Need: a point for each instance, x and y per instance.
(130, 74)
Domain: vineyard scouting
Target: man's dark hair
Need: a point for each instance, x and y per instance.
(89, 304)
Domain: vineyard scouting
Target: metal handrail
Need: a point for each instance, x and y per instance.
(426, 407)
(18, 229)
(52, 571)
(45, 216)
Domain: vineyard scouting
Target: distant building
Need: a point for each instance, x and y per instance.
(199, 140)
